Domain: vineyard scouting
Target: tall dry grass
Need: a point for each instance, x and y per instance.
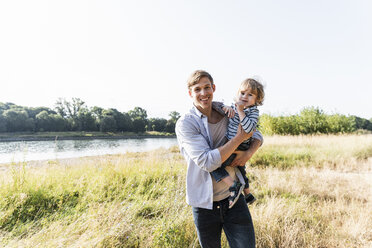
(313, 191)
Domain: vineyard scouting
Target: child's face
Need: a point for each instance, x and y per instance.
(247, 97)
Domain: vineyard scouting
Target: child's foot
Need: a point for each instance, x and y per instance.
(249, 199)
(235, 191)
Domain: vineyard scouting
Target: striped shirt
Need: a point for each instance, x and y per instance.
(249, 122)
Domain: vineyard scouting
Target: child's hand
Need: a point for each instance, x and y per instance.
(228, 111)
(240, 105)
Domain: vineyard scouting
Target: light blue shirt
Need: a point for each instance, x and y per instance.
(195, 144)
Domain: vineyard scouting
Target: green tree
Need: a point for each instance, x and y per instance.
(312, 120)
(76, 113)
(139, 125)
(2, 123)
(171, 123)
(32, 112)
(157, 124)
(139, 119)
(3, 107)
(18, 120)
(108, 124)
(6, 106)
(59, 124)
(85, 120)
(97, 112)
(174, 116)
(338, 123)
(361, 123)
(138, 112)
(43, 122)
(124, 122)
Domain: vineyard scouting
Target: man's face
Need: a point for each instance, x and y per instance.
(202, 94)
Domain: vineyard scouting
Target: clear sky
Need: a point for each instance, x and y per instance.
(123, 54)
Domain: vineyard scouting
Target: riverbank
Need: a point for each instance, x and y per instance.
(310, 191)
(22, 151)
(42, 136)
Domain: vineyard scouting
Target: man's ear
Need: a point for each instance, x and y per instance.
(190, 93)
(214, 87)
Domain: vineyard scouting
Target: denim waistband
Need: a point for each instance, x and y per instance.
(221, 204)
(221, 201)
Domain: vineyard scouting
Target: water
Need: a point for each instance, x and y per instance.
(42, 150)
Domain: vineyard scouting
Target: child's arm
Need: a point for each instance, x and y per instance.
(248, 118)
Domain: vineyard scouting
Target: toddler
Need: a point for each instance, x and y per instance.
(245, 113)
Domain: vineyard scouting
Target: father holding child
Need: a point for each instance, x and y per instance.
(201, 134)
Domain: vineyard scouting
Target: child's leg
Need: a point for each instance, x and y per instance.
(244, 174)
(221, 174)
(249, 198)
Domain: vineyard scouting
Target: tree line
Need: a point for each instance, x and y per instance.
(75, 115)
(312, 120)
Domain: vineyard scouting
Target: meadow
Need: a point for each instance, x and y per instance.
(313, 191)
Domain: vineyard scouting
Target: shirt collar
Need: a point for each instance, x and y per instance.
(200, 114)
(197, 112)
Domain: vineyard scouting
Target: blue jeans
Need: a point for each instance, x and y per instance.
(236, 223)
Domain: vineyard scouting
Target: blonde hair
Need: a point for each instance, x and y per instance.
(256, 88)
(196, 76)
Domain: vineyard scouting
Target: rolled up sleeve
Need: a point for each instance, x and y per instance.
(258, 135)
(195, 145)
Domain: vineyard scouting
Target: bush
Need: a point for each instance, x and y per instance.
(310, 121)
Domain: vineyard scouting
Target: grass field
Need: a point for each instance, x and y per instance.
(313, 191)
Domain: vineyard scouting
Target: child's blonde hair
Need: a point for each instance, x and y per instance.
(256, 88)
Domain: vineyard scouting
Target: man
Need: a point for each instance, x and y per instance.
(202, 141)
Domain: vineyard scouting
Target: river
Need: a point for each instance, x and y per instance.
(19, 151)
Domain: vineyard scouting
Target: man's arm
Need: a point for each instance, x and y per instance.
(243, 156)
(227, 149)
(195, 145)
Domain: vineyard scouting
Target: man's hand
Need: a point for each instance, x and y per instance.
(243, 156)
(240, 159)
(241, 134)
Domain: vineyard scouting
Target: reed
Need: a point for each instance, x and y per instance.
(317, 192)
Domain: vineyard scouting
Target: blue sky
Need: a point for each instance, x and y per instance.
(123, 54)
